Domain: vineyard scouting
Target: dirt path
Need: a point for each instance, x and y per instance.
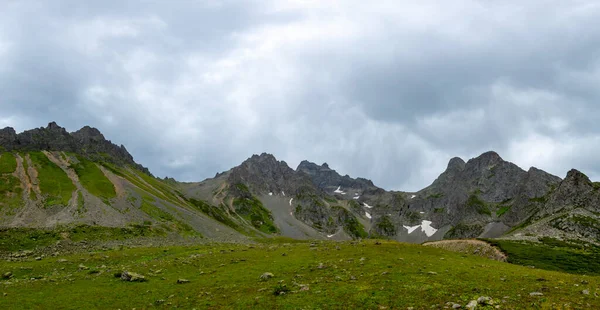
(115, 180)
(26, 182)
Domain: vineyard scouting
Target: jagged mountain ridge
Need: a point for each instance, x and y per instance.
(483, 197)
(86, 141)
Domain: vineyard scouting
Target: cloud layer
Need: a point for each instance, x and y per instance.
(387, 90)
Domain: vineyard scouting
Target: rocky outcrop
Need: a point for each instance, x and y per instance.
(265, 174)
(328, 179)
(87, 141)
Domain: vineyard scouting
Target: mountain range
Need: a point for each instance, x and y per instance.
(50, 177)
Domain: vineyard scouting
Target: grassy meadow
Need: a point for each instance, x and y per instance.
(321, 275)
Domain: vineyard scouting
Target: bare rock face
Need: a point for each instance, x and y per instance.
(7, 136)
(265, 174)
(576, 191)
(469, 196)
(328, 179)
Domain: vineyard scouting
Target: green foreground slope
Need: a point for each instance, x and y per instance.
(329, 275)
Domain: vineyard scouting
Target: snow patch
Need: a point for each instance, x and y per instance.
(422, 212)
(292, 199)
(411, 229)
(425, 227)
(367, 206)
(413, 196)
(356, 198)
(270, 194)
(283, 193)
(339, 191)
(367, 215)
(329, 236)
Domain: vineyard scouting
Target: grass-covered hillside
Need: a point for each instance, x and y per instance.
(54, 191)
(274, 275)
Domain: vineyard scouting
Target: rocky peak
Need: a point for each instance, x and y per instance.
(329, 180)
(307, 166)
(54, 126)
(8, 131)
(490, 158)
(7, 136)
(577, 178)
(88, 134)
(456, 163)
(264, 173)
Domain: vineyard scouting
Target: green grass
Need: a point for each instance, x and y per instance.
(253, 211)
(147, 183)
(226, 276)
(8, 163)
(148, 206)
(436, 196)
(216, 213)
(18, 239)
(349, 222)
(93, 180)
(502, 209)
(479, 205)
(10, 186)
(552, 254)
(55, 185)
(80, 203)
(385, 227)
(10, 192)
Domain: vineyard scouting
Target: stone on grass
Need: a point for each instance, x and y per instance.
(132, 277)
(182, 281)
(266, 276)
(536, 294)
(484, 300)
(471, 305)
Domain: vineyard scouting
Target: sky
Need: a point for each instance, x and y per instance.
(386, 90)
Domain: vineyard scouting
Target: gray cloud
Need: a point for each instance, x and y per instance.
(389, 91)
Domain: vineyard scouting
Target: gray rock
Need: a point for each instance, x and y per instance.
(585, 292)
(471, 305)
(132, 277)
(536, 294)
(182, 281)
(266, 276)
(484, 300)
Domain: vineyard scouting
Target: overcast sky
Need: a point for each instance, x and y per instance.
(386, 90)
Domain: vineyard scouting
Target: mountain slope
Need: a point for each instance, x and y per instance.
(54, 178)
(50, 177)
(294, 205)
